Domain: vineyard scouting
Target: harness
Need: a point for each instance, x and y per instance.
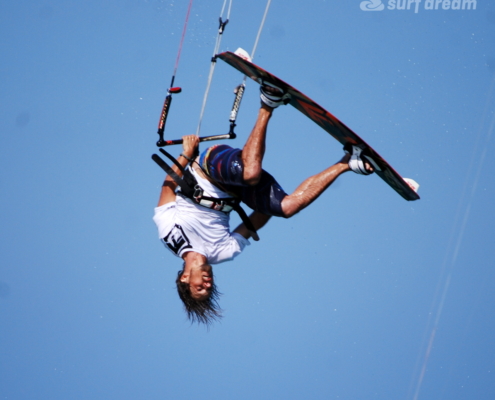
(191, 189)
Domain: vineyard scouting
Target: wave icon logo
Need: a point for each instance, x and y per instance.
(372, 5)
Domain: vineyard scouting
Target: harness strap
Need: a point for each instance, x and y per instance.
(245, 219)
(191, 189)
(186, 189)
(187, 177)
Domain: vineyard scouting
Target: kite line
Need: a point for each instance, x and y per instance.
(239, 90)
(168, 99)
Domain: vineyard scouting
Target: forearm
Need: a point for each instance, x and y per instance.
(258, 220)
(169, 181)
(189, 146)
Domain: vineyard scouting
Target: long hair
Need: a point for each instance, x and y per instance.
(204, 311)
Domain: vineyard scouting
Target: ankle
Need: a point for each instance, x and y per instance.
(266, 109)
(345, 159)
(343, 164)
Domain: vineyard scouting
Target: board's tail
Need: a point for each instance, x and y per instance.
(243, 54)
(412, 184)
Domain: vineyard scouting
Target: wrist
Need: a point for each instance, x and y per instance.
(187, 157)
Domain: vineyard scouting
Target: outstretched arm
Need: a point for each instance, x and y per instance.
(189, 146)
(258, 220)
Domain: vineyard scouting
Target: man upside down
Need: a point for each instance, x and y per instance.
(196, 227)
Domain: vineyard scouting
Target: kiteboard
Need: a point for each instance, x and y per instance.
(407, 189)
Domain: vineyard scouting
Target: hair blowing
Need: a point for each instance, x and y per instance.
(204, 311)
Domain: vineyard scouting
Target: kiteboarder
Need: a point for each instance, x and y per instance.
(192, 214)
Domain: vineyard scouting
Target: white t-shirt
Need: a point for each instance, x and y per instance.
(185, 226)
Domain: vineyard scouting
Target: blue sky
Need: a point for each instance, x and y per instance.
(361, 296)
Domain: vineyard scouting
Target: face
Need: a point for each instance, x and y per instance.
(200, 280)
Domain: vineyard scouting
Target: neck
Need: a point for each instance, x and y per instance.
(192, 259)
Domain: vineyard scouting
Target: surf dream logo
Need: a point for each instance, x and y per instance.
(377, 5)
(372, 5)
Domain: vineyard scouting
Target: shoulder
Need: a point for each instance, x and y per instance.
(240, 240)
(228, 249)
(164, 209)
(164, 217)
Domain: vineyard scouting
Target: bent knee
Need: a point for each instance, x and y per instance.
(289, 208)
(289, 214)
(252, 176)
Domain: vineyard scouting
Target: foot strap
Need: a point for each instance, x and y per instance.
(356, 163)
(272, 95)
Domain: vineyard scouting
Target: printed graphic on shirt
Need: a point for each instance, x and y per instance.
(177, 240)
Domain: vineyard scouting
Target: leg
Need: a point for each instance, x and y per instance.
(254, 149)
(311, 188)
